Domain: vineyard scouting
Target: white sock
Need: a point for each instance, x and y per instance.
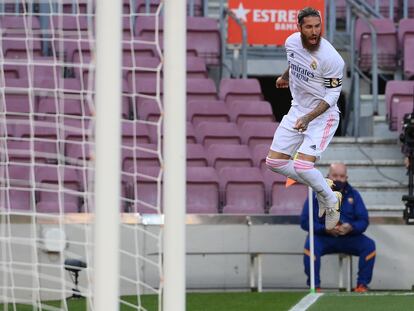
(314, 178)
(284, 167)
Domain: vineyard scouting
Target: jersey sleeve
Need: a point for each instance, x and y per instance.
(332, 80)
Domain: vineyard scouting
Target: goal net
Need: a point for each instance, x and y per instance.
(47, 154)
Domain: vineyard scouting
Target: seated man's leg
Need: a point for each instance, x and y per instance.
(364, 247)
(321, 247)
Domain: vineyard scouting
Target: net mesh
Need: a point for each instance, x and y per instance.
(47, 67)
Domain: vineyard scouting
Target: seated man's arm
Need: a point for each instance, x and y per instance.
(318, 227)
(360, 224)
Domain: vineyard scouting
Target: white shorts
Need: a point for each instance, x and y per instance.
(312, 142)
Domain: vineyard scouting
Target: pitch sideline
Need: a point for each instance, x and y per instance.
(306, 302)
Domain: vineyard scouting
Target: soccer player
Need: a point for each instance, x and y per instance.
(315, 80)
(347, 237)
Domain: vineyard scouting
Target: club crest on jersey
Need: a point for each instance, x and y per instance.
(314, 65)
(332, 82)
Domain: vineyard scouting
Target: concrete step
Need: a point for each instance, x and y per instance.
(381, 129)
(367, 107)
(378, 198)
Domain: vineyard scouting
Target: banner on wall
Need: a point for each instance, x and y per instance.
(268, 22)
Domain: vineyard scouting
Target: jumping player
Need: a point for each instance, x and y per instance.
(315, 80)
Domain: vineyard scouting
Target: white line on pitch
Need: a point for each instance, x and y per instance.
(306, 302)
(371, 294)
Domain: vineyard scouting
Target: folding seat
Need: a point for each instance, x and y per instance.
(140, 47)
(47, 131)
(191, 134)
(386, 44)
(13, 71)
(77, 7)
(16, 48)
(18, 196)
(207, 111)
(70, 26)
(340, 6)
(19, 25)
(201, 89)
(284, 201)
(134, 133)
(408, 59)
(247, 111)
(196, 155)
(240, 89)
(42, 152)
(153, 6)
(405, 30)
(395, 93)
(143, 155)
(196, 67)
(148, 110)
(202, 190)
(223, 155)
(255, 133)
(141, 67)
(203, 36)
(243, 189)
(144, 191)
(18, 104)
(259, 154)
(78, 152)
(144, 88)
(58, 189)
(209, 133)
(146, 26)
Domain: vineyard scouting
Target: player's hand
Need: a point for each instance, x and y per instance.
(345, 228)
(301, 124)
(281, 83)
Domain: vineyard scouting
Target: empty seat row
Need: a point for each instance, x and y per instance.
(389, 44)
(242, 190)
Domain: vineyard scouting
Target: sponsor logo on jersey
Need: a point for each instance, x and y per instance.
(300, 72)
(331, 83)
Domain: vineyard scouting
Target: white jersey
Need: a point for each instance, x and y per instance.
(314, 76)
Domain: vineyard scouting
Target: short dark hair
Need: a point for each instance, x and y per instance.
(305, 12)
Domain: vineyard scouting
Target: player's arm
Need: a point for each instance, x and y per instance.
(283, 80)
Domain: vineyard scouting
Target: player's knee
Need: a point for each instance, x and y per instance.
(302, 166)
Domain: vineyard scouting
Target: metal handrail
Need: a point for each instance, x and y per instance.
(227, 12)
(358, 11)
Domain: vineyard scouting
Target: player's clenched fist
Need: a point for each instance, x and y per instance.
(281, 83)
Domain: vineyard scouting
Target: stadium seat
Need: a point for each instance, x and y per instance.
(144, 192)
(243, 189)
(16, 48)
(39, 152)
(78, 7)
(202, 190)
(223, 155)
(14, 26)
(240, 89)
(19, 196)
(17, 104)
(395, 93)
(140, 67)
(405, 30)
(196, 67)
(77, 152)
(284, 201)
(140, 156)
(255, 133)
(134, 133)
(386, 44)
(196, 155)
(201, 89)
(259, 155)
(207, 111)
(58, 187)
(69, 26)
(408, 59)
(149, 110)
(191, 134)
(247, 111)
(209, 133)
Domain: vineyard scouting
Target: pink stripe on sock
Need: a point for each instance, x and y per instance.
(276, 162)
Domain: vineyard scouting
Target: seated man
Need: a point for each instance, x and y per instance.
(347, 236)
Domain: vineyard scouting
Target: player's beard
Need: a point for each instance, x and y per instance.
(309, 46)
